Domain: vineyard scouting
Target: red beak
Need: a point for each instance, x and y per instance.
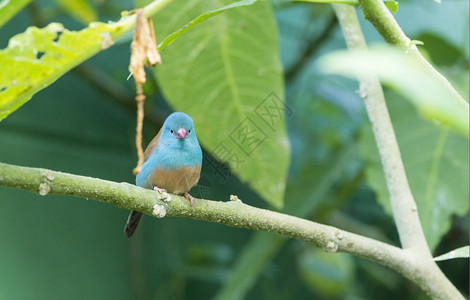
(181, 133)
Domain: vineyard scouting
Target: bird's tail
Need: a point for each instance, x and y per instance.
(132, 223)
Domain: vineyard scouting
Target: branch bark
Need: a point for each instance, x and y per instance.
(403, 205)
(233, 213)
(404, 208)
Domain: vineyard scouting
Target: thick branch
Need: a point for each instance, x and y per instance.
(232, 213)
(403, 205)
(404, 208)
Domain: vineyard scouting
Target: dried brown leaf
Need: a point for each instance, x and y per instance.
(143, 47)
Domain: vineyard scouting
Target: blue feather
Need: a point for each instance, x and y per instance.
(173, 163)
(172, 152)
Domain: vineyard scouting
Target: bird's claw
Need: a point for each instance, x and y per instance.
(189, 197)
(162, 194)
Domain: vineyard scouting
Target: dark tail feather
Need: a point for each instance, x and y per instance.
(132, 223)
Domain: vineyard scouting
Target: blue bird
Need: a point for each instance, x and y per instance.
(172, 164)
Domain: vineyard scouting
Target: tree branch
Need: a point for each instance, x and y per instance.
(232, 213)
(403, 205)
(380, 16)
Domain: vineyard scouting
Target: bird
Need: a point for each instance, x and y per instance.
(173, 161)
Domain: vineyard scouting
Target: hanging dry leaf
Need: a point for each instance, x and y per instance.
(143, 51)
(143, 47)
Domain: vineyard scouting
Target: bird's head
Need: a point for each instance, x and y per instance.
(178, 129)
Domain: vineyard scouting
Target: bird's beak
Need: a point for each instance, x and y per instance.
(181, 133)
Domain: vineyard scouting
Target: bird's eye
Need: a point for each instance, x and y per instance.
(189, 131)
(171, 131)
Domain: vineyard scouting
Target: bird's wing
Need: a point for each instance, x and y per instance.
(153, 143)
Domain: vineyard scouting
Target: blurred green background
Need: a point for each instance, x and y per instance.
(66, 248)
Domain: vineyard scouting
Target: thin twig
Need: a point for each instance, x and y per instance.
(311, 49)
(143, 50)
(140, 98)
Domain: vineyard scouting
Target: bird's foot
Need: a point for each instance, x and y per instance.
(162, 194)
(189, 197)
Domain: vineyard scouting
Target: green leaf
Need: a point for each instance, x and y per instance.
(9, 8)
(350, 2)
(441, 51)
(81, 10)
(199, 19)
(436, 163)
(227, 75)
(392, 6)
(39, 56)
(36, 58)
(462, 252)
(430, 95)
(327, 274)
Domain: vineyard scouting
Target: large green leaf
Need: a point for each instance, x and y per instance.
(201, 18)
(432, 97)
(227, 75)
(436, 163)
(36, 58)
(81, 10)
(9, 8)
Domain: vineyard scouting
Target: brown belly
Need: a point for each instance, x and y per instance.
(175, 181)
